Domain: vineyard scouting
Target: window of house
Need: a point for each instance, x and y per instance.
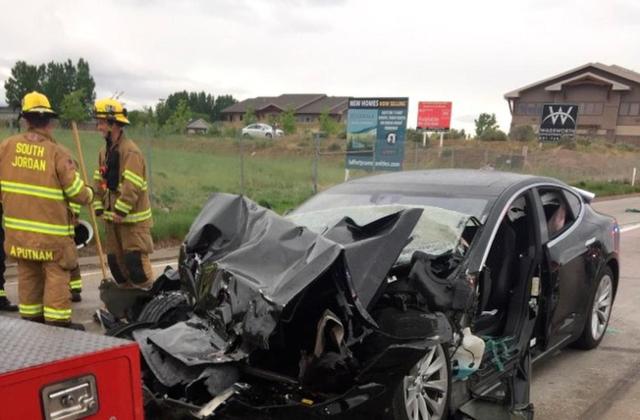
(531, 109)
(521, 108)
(624, 108)
(634, 109)
(591, 108)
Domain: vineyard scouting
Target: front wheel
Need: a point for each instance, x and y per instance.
(424, 393)
(599, 312)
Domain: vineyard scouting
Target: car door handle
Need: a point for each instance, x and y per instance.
(590, 242)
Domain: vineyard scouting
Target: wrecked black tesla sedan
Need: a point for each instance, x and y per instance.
(414, 295)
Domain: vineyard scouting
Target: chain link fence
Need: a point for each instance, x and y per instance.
(183, 171)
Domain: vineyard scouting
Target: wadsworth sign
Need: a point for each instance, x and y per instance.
(557, 121)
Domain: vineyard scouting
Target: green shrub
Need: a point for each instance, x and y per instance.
(229, 131)
(626, 147)
(568, 142)
(522, 133)
(334, 147)
(493, 135)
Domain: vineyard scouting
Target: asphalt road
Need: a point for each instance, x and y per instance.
(600, 384)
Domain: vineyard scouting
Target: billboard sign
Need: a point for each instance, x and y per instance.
(376, 129)
(434, 116)
(558, 120)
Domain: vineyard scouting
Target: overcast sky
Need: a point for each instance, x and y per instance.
(468, 52)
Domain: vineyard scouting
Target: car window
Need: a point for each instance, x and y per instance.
(575, 203)
(557, 211)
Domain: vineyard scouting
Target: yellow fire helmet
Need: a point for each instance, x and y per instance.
(111, 110)
(37, 103)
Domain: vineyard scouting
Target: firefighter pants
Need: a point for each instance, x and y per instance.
(75, 282)
(43, 289)
(128, 248)
(3, 256)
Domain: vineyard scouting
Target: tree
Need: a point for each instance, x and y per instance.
(55, 80)
(327, 123)
(288, 121)
(485, 122)
(85, 82)
(222, 102)
(249, 116)
(143, 117)
(24, 79)
(58, 81)
(178, 121)
(454, 134)
(73, 108)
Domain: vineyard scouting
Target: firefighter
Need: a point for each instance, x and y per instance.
(5, 303)
(122, 198)
(38, 180)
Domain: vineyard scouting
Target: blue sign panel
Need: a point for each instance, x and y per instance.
(376, 129)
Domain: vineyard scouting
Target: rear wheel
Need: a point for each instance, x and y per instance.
(424, 393)
(268, 135)
(599, 312)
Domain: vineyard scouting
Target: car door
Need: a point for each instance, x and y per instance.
(256, 130)
(564, 279)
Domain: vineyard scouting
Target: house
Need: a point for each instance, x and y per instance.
(608, 98)
(307, 107)
(198, 126)
(8, 116)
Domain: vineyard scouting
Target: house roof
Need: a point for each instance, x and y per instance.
(295, 101)
(611, 69)
(198, 123)
(332, 104)
(587, 75)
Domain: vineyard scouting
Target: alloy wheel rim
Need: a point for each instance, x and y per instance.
(601, 307)
(426, 387)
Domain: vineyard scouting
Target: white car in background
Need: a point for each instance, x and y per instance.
(261, 130)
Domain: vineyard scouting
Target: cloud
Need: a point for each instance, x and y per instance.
(468, 52)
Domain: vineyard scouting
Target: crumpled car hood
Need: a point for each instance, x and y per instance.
(250, 263)
(262, 260)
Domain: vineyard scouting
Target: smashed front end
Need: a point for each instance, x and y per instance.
(281, 320)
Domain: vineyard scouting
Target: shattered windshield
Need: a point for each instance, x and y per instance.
(437, 231)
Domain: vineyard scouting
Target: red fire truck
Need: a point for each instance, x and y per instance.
(52, 373)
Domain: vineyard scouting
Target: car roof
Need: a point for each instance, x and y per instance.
(467, 182)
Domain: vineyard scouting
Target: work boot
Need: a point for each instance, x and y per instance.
(69, 325)
(38, 319)
(76, 296)
(6, 305)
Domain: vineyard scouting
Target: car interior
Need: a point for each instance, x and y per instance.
(505, 270)
(555, 211)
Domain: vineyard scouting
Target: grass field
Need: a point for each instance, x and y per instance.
(185, 171)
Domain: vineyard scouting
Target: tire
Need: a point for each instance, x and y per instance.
(598, 312)
(163, 307)
(430, 399)
(246, 135)
(268, 135)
